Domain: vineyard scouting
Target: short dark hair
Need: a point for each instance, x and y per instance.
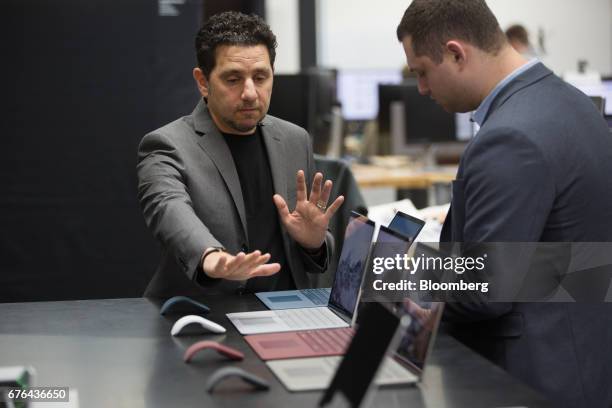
(231, 28)
(519, 33)
(431, 23)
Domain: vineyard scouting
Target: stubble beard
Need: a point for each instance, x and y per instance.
(238, 127)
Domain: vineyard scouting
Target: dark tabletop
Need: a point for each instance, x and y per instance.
(119, 353)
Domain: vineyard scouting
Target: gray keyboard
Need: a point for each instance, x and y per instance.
(318, 296)
(307, 318)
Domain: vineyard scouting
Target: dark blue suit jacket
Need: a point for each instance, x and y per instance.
(539, 170)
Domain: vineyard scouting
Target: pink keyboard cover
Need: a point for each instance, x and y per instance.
(307, 343)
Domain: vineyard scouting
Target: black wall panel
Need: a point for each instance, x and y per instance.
(83, 81)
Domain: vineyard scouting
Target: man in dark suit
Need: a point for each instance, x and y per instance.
(538, 170)
(216, 187)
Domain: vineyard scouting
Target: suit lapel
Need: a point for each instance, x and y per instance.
(446, 235)
(211, 141)
(276, 155)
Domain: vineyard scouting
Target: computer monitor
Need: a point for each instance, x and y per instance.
(386, 95)
(424, 120)
(285, 102)
(606, 84)
(600, 103)
(322, 97)
(358, 91)
(307, 99)
(602, 90)
(417, 118)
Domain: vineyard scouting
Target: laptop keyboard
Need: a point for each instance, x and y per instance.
(327, 340)
(317, 296)
(308, 318)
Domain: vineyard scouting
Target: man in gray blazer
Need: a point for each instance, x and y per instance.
(537, 171)
(216, 187)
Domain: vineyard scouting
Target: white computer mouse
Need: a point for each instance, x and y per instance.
(191, 319)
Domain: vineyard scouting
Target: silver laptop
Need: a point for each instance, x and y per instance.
(295, 299)
(343, 300)
(354, 246)
(405, 363)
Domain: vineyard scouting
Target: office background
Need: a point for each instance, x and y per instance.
(84, 81)
(361, 34)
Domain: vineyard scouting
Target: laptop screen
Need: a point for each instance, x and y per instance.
(416, 342)
(389, 244)
(353, 258)
(406, 225)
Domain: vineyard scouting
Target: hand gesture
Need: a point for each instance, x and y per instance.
(308, 222)
(239, 267)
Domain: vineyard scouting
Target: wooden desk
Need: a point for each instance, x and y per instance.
(401, 177)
